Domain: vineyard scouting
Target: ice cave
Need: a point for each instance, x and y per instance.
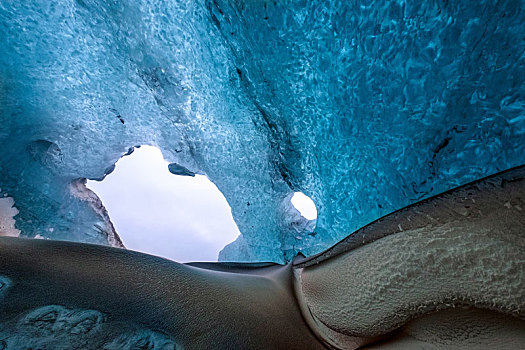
(402, 121)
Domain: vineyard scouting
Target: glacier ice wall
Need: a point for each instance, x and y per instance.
(364, 106)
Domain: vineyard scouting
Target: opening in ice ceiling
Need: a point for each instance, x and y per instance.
(183, 218)
(7, 213)
(305, 205)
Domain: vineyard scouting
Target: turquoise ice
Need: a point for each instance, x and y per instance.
(364, 106)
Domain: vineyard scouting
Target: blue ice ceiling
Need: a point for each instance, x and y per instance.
(366, 106)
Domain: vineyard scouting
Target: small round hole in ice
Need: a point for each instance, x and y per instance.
(305, 205)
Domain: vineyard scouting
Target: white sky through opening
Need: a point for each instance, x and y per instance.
(181, 218)
(305, 205)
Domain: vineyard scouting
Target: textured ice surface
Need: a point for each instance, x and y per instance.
(458, 329)
(363, 106)
(57, 327)
(462, 248)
